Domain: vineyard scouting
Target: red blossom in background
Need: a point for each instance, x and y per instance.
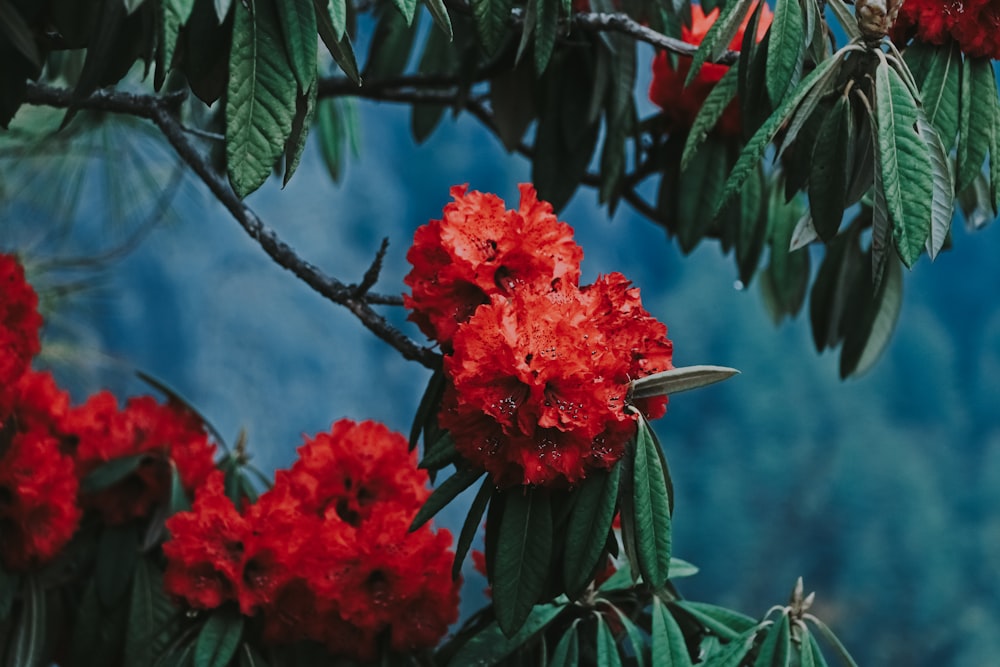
(681, 104)
(19, 322)
(974, 24)
(479, 249)
(326, 554)
(169, 434)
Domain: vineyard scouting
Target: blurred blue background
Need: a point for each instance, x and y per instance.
(883, 492)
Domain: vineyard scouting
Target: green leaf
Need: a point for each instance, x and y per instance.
(676, 380)
(828, 175)
(249, 657)
(440, 14)
(942, 202)
(174, 14)
(463, 478)
(219, 638)
(785, 51)
(733, 653)
(753, 224)
(335, 128)
(337, 41)
(150, 611)
(755, 105)
(112, 472)
(524, 554)
(775, 650)
(491, 645)
(832, 639)
(976, 111)
(652, 508)
(724, 623)
(406, 8)
(589, 526)
(513, 104)
(471, 525)
(681, 568)
(430, 402)
(995, 160)
(832, 289)
(718, 37)
(27, 648)
(492, 17)
(117, 554)
(440, 454)
(635, 636)
(904, 164)
(10, 584)
(939, 86)
(824, 75)
(222, 9)
(701, 184)
(865, 341)
(260, 104)
(668, 646)
(845, 17)
(607, 648)
(19, 33)
(305, 109)
(391, 46)
(788, 271)
(178, 496)
(546, 26)
(440, 57)
(567, 651)
(298, 27)
(717, 101)
(815, 653)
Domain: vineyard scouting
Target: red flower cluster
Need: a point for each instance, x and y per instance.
(479, 249)
(539, 368)
(681, 104)
(167, 434)
(974, 24)
(326, 554)
(38, 488)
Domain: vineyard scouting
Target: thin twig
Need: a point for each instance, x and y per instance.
(371, 275)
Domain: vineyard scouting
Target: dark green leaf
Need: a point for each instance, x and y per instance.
(407, 8)
(788, 271)
(260, 104)
(828, 169)
(492, 17)
(775, 650)
(333, 130)
(491, 645)
(718, 37)
(391, 45)
(249, 657)
(174, 15)
(589, 526)
(845, 17)
(995, 160)
(942, 202)
(668, 646)
(117, 554)
(298, 27)
(677, 380)
(718, 100)
(755, 105)
(753, 223)
(607, 649)
(939, 86)
(976, 110)
(733, 653)
(305, 109)
(547, 23)
(785, 51)
(449, 489)
(150, 611)
(440, 14)
(331, 18)
(429, 404)
(865, 341)
(10, 584)
(219, 638)
(222, 9)
(472, 521)
(652, 508)
(439, 57)
(724, 623)
(339, 47)
(634, 634)
(112, 472)
(440, 454)
(833, 289)
(524, 555)
(513, 104)
(27, 647)
(815, 653)
(832, 639)
(567, 651)
(19, 33)
(700, 184)
(904, 164)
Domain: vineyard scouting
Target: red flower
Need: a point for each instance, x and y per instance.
(38, 511)
(35, 403)
(974, 24)
(166, 433)
(681, 105)
(479, 249)
(19, 321)
(539, 380)
(354, 470)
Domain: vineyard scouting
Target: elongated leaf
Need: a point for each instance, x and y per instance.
(718, 100)
(724, 623)
(701, 184)
(440, 57)
(298, 27)
(117, 554)
(845, 18)
(331, 17)
(787, 274)
(338, 46)
(775, 650)
(491, 645)
(865, 341)
(753, 223)
(149, 613)
(472, 521)
(440, 454)
(429, 404)
(391, 46)
(939, 87)
(815, 653)
(19, 34)
(524, 554)
(832, 640)
(407, 8)
(112, 472)
(785, 51)
(823, 75)
(567, 651)
(832, 289)
(546, 26)
(305, 109)
(449, 489)
(249, 657)
(441, 17)
(978, 99)
(668, 646)
(995, 160)
(222, 9)
(492, 18)
(219, 638)
(10, 584)
(733, 653)
(174, 15)
(904, 164)
(942, 202)
(803, 234)
(719, 36)
(260, 103)
(676, 380)
(607, 648)
(828, 174)
(635, 636)
(27, 648)
(589, 526)
(652, 509)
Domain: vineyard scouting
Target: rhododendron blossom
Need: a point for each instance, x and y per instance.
(326, 554)
(19, 322)
(681, 104)
(479, 249)
(169, 434)
(974, 24)
(539, 381)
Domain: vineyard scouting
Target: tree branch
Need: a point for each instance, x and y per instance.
(598, 22)
(162, 112)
